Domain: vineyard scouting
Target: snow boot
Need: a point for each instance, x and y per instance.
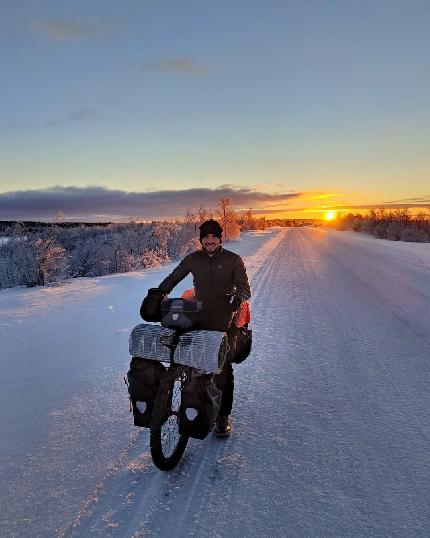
(223, 426)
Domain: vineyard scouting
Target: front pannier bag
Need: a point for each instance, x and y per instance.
(180, 313)
(144, 379)
(200, 403)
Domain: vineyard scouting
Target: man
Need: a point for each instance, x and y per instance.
(221, 284)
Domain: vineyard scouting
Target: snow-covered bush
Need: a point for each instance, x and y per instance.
(394, 230)
(247, 222)
(50, 261)
(414, 234)
(150, 258)
(37, 261)
(397, 225)
(85, 258)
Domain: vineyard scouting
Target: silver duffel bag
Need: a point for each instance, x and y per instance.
(204, 350)
(152, 342)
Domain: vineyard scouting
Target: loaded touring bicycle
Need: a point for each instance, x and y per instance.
(171, 378)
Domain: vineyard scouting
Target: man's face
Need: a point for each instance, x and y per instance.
(211, 243)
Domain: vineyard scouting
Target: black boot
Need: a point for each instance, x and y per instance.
(223, 426)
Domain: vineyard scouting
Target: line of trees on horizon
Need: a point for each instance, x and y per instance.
(395, 225)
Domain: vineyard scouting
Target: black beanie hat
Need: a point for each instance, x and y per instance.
(210, 227)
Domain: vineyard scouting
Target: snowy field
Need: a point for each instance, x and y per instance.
(331, 413)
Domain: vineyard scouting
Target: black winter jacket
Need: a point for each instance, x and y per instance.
(215, 278)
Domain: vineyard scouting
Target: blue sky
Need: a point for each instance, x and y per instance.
(317, 99)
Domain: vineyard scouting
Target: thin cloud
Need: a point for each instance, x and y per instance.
(181, 65)
(101, 203)
(83, 115)
(419, 200)
(410, 205)
(269, 211)
(67, 30)
(326, 195)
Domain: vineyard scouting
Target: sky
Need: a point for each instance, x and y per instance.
(145, 109)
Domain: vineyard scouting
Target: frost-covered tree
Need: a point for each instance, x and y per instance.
(51, 261)
(84, 259)
(228, 219)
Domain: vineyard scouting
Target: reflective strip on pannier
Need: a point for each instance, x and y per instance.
(204, 350)
(152, 342)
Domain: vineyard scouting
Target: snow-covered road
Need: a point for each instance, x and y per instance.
(331, 415)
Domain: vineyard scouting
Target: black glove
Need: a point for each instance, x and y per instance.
(155, 291)
(235, 302)
(151, 305)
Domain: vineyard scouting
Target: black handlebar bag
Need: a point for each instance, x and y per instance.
(151, 305)
(180, 314)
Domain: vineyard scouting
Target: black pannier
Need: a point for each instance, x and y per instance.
(150, 309)
(243, 345)
(180, 313)
(144, 379)
(200, 403)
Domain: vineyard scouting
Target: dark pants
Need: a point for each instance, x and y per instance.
(225, 382)
(225, 379)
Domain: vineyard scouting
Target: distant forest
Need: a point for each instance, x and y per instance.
(397, 225)
(41, 253)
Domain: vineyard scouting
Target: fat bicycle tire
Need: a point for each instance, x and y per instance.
(166, 443)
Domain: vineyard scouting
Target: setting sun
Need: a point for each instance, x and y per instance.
(330, 215)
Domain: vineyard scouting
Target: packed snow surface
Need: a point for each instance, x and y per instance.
(331, 415)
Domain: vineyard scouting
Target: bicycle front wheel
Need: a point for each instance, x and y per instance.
(167, 444)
